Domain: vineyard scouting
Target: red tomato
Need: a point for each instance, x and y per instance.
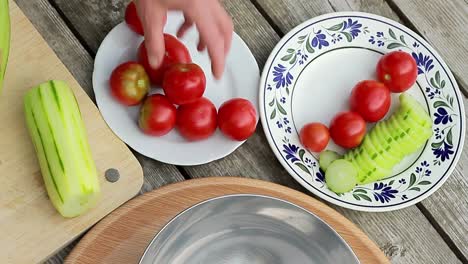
(184, 83)
(314, 136)
(176, 52)
(157, 115)
(370, 99)
(347, 129)
(197, 120)
(129, 83)
(397, 70)
(132, 19)
(237, 119)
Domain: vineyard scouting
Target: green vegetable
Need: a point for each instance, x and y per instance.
(4, 38)
(341, 176)
(326, 157)
(391, 140)
(57, 131)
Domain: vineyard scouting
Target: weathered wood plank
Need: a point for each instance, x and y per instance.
(80, 63)
(445, 26)
(453, 216)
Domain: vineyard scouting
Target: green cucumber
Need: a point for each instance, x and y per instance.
(341, 176)
(326, 157)
(386, 140)
(4, 38)
(411, 107)
(379, 146)
(418, 134)
(377, 155)
(405, 142)
(58, 134)
(368, 169)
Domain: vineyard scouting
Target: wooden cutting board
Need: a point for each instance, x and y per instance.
(123, 236)
(30, 228)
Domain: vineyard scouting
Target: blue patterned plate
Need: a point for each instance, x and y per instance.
(308, 77)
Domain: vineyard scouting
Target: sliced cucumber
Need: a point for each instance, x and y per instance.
(418, 134)
(387, 141)
(375, 154)
(379, 147)
(341, 176)
(326, 157)
(405, 142)
(368, 170)
(413, 108)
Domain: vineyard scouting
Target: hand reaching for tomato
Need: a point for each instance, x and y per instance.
(213, 23)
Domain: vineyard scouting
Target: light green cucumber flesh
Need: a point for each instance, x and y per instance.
(55, 125)
(4, 39)
(406, 142)
(375, 154)
(414, 109)
(379, 144)
(387, 141)
(341, 176)
(368, 170)
(326, 157)
(418, 134)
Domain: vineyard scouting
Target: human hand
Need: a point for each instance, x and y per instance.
(213, 23)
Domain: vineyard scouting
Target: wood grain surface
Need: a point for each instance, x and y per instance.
(30, 227)
(123, 235)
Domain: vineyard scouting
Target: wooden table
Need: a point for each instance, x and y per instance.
(433, 231)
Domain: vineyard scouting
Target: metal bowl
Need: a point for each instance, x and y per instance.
(247, 229)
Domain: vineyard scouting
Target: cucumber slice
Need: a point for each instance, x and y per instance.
(413, 108)
(326, 157)
(418, 134)
(379, 146)
(405, 142)
(387, 141)
(341, 176)
(368, 170)
(372, 170)
(377, 155)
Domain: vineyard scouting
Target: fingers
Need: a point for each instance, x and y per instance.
(201, 45)
(226, 28)
(184, 27)
(152, 17)
(214, 40)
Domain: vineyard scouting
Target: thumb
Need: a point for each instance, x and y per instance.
(152, 17)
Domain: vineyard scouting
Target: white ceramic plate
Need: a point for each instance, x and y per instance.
(308, 77)
(240, 79)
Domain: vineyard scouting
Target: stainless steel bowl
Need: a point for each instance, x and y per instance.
(247, 229)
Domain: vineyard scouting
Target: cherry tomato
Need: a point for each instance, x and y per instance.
(157, 115)
(129, 83)
(397, 70)
(314, 136)
(197, 120)
(184, 83)
(370, 99)
(176, 52)
(237, 119)
(132, 19)
(347, 129)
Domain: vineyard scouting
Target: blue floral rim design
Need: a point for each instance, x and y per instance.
(422, 62)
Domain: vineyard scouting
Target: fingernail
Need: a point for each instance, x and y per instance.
(154, 61)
